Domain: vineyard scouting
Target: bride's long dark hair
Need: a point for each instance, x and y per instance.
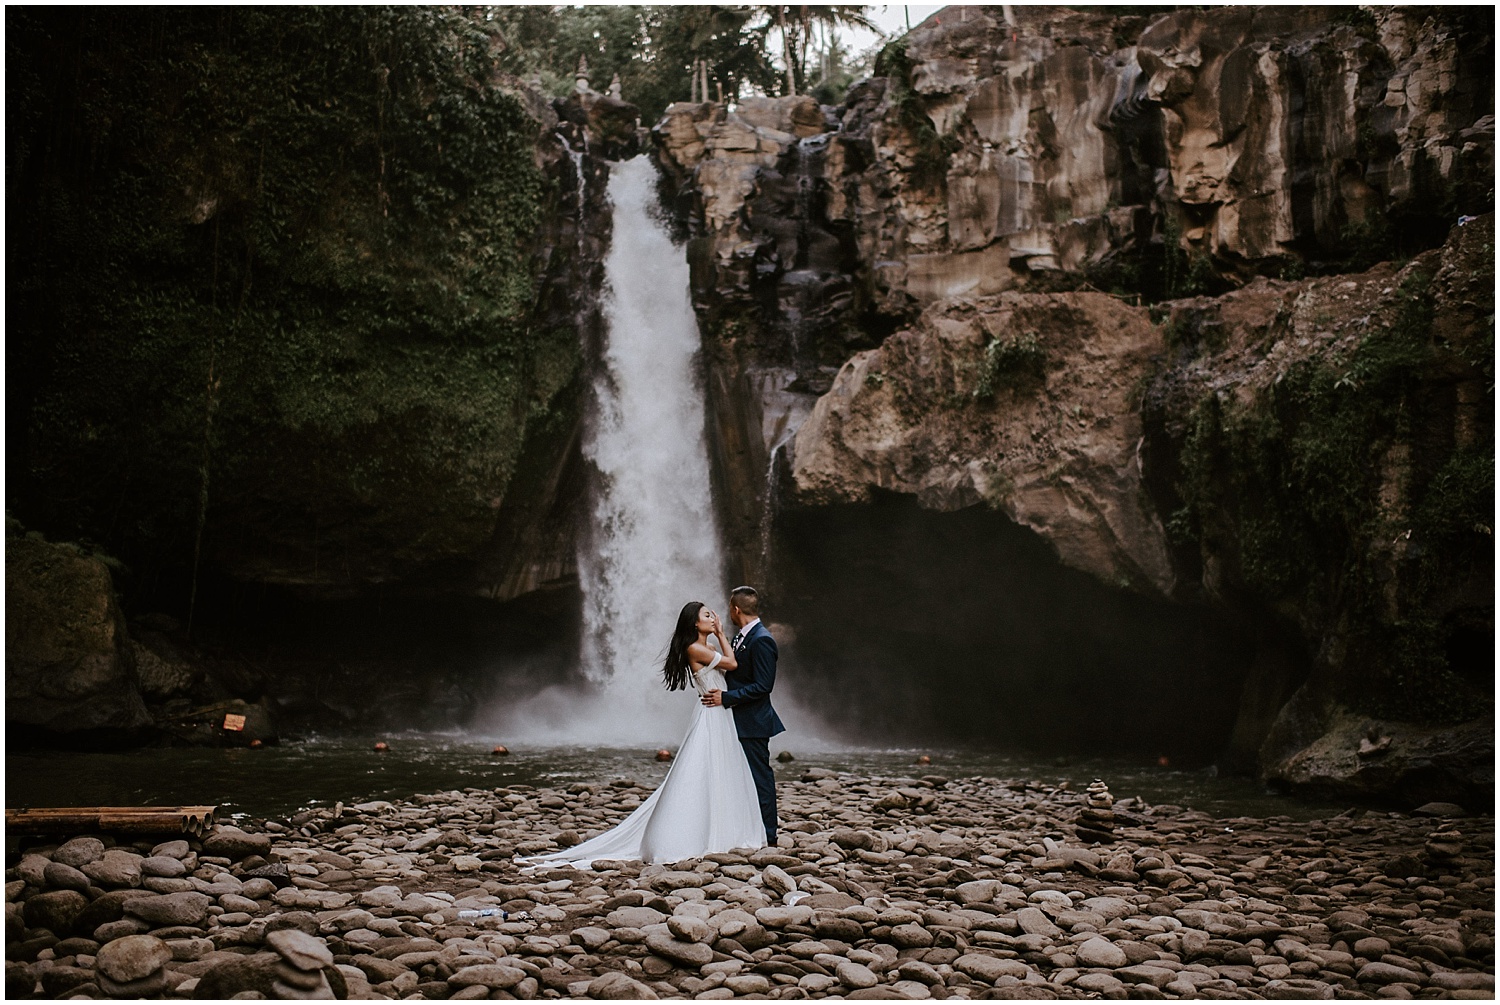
(675, 671)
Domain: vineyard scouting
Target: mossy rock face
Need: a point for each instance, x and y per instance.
(1324, 453)
(68, 665)
(279, 315)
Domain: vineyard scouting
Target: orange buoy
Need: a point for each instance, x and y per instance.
(1163, 761)
(664, 754)
(500, 748)
(924, 759)
(382, 747)
(255, 743)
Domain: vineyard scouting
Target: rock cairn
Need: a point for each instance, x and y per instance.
(299, 972)
(896, 888)
(1096, 821)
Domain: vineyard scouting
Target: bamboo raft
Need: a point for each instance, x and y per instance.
(193, 820)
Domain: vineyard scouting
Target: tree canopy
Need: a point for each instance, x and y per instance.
(654, 48)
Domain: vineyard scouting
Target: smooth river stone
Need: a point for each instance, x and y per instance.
(634, 917)
(689, 954)
(618, 987)
(55, 910)
(64, 877)
(1034, 922)
(163, 865)
(780, 917)
(1100, 953)
(489, 975)
(303, 951)
(1388, 973)
(132, 958)
(989, 968)
(855, 975)
(690, 929)
(186, 908)
(79, 852)
(910, 937)
(115, 868)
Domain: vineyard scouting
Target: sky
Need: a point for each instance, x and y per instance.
(892, 19)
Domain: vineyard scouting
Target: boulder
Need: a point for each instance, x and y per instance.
(69, 666)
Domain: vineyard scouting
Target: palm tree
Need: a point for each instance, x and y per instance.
(796, 22)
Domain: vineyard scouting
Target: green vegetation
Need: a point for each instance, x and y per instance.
(272, 264)
(654, 48)
(1009, 362)
(1288, 488)
(934, 153)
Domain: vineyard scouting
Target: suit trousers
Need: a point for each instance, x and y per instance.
(758, 753)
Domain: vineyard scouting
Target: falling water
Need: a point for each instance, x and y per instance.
(652, 544)
(577, 158)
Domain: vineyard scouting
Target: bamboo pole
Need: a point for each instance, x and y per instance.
(194, 820)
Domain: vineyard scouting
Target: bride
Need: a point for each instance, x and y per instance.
(707, 803)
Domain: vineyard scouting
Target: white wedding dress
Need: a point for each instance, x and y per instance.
(707, 803)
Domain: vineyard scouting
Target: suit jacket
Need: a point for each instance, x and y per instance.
(748, 689)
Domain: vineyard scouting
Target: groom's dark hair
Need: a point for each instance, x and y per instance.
(746, 599)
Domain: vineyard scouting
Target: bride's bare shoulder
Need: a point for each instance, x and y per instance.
(699, 653)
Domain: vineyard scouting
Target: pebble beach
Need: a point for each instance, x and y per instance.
(880, 887)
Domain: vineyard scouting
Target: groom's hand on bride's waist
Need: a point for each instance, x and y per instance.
(713, 698)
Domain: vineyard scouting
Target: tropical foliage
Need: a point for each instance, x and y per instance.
(268, 260)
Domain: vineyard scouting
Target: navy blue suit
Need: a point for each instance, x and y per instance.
(748, 692)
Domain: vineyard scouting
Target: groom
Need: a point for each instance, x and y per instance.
(749, 694)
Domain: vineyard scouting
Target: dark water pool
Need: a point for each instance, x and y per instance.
(277, 781)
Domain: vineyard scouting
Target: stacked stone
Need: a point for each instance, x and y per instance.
(133, 967)
(1444, 847)
(299, 972)
(1096, 821)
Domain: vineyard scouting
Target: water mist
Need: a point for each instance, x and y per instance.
(653, 543)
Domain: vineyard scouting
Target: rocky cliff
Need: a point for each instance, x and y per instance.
(1149, 156)
(1052, 269)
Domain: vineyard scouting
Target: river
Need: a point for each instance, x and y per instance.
(277, 781)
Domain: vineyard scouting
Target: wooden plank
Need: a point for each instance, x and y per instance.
(194, 820)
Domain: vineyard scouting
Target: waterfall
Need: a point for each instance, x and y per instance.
(652, 544)
(576, 156)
